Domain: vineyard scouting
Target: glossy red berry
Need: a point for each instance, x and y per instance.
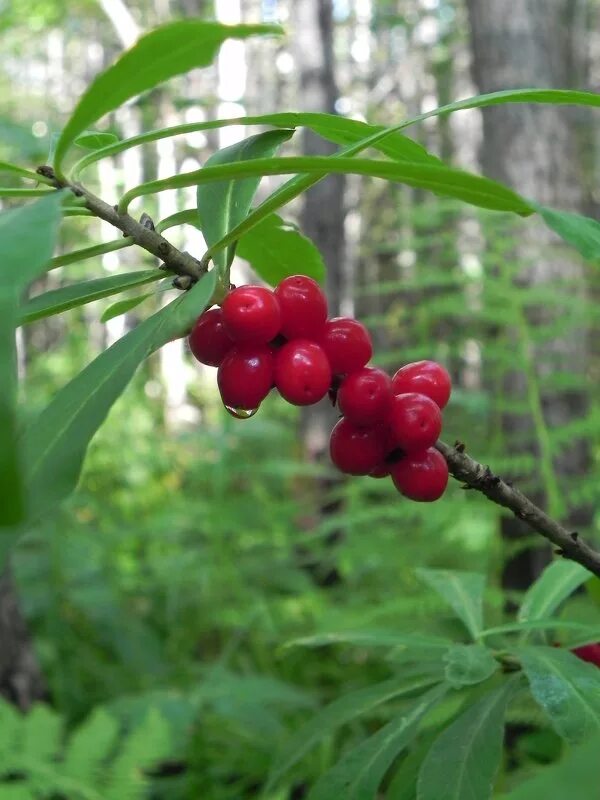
(245, 376)
(303, 307)
(209, 341)
(414, 421)
(302, 372)
(382, 470)
(425, 377)
(355, 449)
(421, 476)
(365, 396)
(589, 653)
(251, 315)
(347, 344)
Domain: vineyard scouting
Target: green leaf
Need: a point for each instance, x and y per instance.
(223, 205)
(90, 745)
(94, 140)
(463, 591)
(544, 624)
(144, 746)
(275, 249)
(27, 240)
(542, 96)
(338, 713)
(14, 169)
(553, 587)
(467, 664)
(442, 180)
(123, 306)
(159, 55)
(567, 688)
(464, 759)
(78, 294)
(574, 776)
(581, 232)
(42, 734)
(359, 773)
(373, 638)
(55, 443)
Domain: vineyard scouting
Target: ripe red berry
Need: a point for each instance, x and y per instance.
(251, 315)
(302, 372)
(245, 376)
(365, 396)
(303, 307)
(382, 470)
(421, 476)
(425, 377)
(347, 344)
(209, 341)
(588, 652)
(354, 449)
(414, 421)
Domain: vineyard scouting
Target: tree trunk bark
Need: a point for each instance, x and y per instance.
(21, 681)
(520, 43)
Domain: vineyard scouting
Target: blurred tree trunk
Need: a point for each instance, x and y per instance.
(519, 43)
(21, 681)
(322, 216)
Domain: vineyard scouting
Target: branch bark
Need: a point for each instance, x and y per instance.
(479, 477)
(142, 234)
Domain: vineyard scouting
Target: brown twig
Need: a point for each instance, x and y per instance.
(143, 234)
(479, 477)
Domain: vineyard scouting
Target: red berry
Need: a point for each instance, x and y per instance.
(302, 372)
(245, 376)
(588, 652)
(421, 476)
(382, 470)
(303, 307)
(365, 395)
(347, 344)
(425, 377)
(251, 314)
(414, 421)
(209, 341)
(355, 449)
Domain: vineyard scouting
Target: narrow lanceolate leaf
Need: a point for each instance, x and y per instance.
(275, 249)
(223, 205)
(464, 759)
(6, 166)
(167, 51)
(360, 772)
(463, 591)
(581, 232)
(59, 300)
(27, 239)
(338, 713)
(55, 443)
(467, 664)
(374, 638)
(567, 688)
(123, 306)
(94, 140)
(553, 587)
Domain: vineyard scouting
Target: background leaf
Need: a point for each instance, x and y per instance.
(123, 306)
(554, 586)
(78, 294)
(55, 443)
(223, 205)
(275, 249)
(467, 664)
(581, 232)
(360, 771)
(463, 760)
(567, 688)
(338, 713)
(27, 239)
(94, 140)
(463, 591)
(159, 55)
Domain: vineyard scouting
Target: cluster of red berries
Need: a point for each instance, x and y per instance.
(260, 339)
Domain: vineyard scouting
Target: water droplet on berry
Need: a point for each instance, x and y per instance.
(241, 413)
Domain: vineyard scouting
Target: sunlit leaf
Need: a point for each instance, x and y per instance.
(94, 140)
(169, 50)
